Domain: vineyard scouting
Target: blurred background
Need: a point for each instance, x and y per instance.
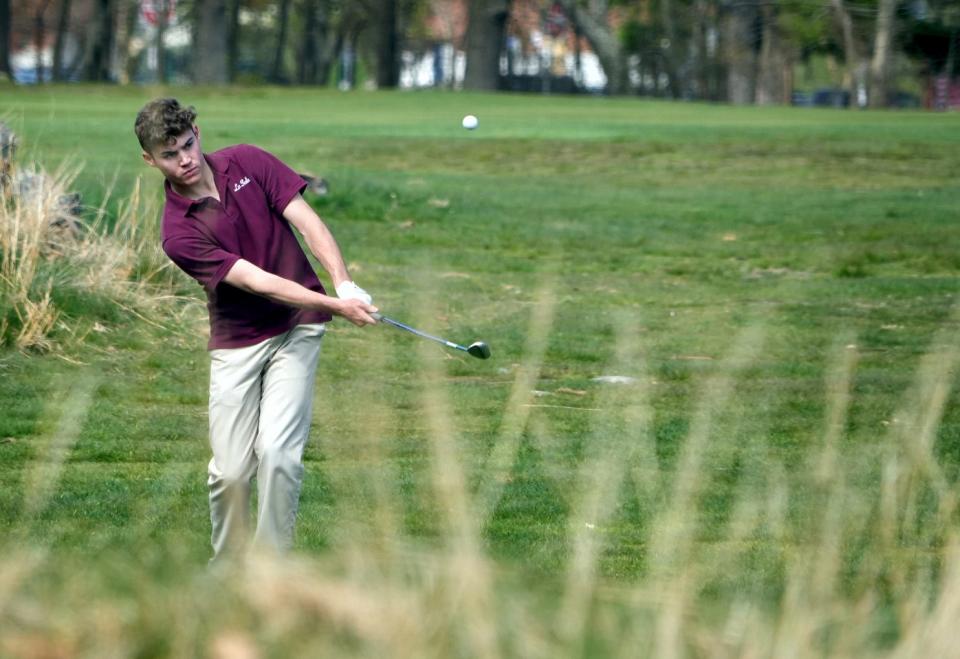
(838, 53)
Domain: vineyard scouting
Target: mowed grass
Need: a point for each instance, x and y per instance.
(775, 280)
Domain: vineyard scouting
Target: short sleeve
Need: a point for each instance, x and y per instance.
(201, 258)
(279, 183)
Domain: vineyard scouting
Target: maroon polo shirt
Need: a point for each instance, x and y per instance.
(205, 238)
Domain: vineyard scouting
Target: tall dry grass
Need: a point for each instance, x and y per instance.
(26, 243)
(45, 247)
(845, 551)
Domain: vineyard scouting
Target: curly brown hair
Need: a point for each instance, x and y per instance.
(161, 121)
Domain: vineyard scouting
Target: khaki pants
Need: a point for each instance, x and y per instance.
(260, 405)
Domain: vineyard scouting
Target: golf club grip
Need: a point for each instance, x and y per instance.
(396, 323)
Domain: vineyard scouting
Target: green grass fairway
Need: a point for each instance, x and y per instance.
(781, 284)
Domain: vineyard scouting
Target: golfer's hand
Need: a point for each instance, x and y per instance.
(357, 312)
(347, 290)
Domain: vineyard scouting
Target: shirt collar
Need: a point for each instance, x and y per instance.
(218, 162)
(183, 205)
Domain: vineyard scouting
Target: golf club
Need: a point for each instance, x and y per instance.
(478, 349)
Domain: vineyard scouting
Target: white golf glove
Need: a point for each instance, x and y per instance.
(347, 290)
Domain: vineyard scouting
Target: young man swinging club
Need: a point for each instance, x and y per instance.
(227, 223)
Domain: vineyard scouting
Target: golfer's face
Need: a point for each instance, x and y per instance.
(180, 160)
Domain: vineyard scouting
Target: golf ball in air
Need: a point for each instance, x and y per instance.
(470, 122)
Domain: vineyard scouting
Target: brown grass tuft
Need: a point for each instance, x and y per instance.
(45, 246)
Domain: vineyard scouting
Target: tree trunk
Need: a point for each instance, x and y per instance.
(127, 14)
(317, 45)
(327, 48)
(700, 39)
(577, 57)
(668, 49)
(388, 50)
(604, 41)
(210, 48)
(306, 69)
(882, 51)
(101, 43)
(707, 29)
(233, 39)
(276, 71)
(5, 17)
(486, 27)
(63, 22)
(39, 36)
(161, 30)
(951, 53)
(739, 52)
(853, 78)
(773, 84)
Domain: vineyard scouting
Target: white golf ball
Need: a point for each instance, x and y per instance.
(470, 122)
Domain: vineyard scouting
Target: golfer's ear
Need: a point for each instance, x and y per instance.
(147, 158)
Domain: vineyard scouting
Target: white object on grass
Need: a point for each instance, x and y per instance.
(615, 379)
(470, 122)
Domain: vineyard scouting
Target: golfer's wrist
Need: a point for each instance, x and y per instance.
(335, 305)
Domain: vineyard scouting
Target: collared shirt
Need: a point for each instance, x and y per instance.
(205, 238)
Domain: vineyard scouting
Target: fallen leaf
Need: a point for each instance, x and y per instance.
(575, 392)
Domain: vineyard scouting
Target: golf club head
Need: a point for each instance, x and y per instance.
(480, 350)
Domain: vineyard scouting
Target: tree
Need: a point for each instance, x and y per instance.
(161, 6)
(276, 71)
(5, 17)
(40, 37)
(882, 53)
(233, 39)
(127, 13)
(387, 45)
(486, 26)
(855, 74)
(669, 47)
(933, 38)
(593, 23)
(309, 55)
(211, 43)
(63, 23)
(709, 69)
(101, 42)
(740, 51)
(774, 66)
(320, 39)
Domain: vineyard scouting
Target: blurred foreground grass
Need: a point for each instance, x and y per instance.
(779, 478)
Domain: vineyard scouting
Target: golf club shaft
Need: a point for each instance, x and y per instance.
(396, 323)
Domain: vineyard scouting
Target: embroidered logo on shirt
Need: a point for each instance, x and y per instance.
(243, 182)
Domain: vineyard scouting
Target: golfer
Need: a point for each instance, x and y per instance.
(227, 223)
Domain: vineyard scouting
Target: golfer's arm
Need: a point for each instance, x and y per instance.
(248, 277)
(318, 238)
